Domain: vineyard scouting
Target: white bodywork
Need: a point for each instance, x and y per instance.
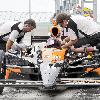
(49, 74)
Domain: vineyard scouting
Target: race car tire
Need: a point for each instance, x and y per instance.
(2, 75)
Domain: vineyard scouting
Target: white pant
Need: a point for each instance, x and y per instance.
(1, 55)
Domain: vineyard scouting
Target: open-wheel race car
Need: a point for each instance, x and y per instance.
(51, 68)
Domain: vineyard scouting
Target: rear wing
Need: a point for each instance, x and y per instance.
(38, 39)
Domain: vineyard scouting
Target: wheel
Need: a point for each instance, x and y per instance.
(2, 74)
(1, 88)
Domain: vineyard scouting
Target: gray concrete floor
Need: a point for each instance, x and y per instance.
(86, 93)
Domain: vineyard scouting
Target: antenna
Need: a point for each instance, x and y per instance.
(30, 9)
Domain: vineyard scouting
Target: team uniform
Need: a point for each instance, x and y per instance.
(13, 31)
(87, 31)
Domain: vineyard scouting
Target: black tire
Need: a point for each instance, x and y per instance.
(2, 74)
(1, 88)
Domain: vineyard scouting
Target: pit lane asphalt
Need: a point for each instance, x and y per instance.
(79, 93)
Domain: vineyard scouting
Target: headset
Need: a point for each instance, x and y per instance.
(55, 30)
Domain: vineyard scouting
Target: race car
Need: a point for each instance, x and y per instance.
(49, 65)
